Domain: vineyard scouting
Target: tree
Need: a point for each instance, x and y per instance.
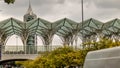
(9, 1)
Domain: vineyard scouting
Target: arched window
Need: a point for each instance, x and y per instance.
(77, 43)
(39, 41)
(14, 43)
(57, 41)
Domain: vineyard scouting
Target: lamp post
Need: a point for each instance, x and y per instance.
(82, 12)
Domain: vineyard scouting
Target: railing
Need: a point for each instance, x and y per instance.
(27, 49)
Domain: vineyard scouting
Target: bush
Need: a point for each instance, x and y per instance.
(67, 56)
(59, 58)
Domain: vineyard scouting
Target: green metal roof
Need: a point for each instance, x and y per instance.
(63, 27)
(38, 26)
(113, 27)
(11, 26)
(90, 26)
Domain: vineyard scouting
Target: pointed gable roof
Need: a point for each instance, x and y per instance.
(29, 11)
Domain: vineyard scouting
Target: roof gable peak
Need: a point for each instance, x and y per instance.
(29, 11)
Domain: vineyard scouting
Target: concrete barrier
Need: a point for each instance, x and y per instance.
(19, 56)
(105, 58)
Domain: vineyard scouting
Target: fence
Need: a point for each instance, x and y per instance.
(26, 49)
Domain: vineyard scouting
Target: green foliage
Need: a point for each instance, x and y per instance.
(59, 58)
(9, 1)
(102, 44)
(68, 56)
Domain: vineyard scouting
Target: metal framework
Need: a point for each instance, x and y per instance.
(66, 29)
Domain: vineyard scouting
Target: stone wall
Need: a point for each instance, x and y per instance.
(105, 58)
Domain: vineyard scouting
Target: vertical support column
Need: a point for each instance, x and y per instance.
(24, 46)
(47, 40)
(83, 41)
(0, 51)
(35, 45)
(31, 49)
(76, 40)
(47, 44)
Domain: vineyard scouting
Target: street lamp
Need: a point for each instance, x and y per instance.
(82, 12)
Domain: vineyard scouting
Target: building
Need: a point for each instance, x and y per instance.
(68, 30)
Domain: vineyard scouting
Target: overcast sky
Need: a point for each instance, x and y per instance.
(52, 10)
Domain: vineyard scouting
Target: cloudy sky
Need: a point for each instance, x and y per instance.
(52, 10)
